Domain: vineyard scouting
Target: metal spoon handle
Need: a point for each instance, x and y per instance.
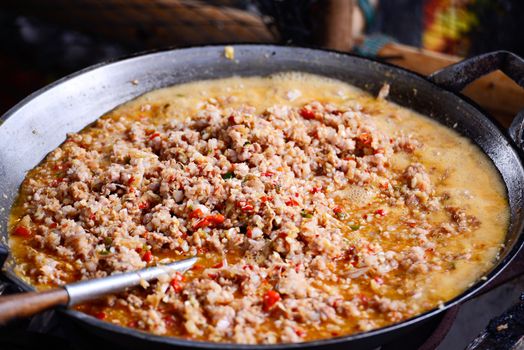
(27, 304)
(92, 289)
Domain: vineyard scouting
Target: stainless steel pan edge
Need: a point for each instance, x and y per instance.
(40, 122)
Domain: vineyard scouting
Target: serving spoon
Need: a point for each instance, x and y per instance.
(27, 304)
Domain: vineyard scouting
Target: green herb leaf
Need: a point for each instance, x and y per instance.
(306, 214)
(228, 175)
(342, 216)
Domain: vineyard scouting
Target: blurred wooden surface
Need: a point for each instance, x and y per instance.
(151, 24)
(495, 92)
(337, 24)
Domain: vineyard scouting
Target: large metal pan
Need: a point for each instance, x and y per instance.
(40, 122)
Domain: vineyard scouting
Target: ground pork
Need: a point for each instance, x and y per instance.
(250, 193)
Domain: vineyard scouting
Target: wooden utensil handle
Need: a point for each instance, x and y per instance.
(27, 304)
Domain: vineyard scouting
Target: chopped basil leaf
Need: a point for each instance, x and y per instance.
(342, 216)
(306, 214)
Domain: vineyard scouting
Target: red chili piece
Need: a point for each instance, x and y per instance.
(219, 265)
(270, 299)
(265, 199)
(100, 315)
(291, 203)
(147, 257)
(307, 113)
(22, 231)
(156, 134)
(315, 190)
(245, 206)
(216, 219)
(202, 223)
(299, 332)
(176, 283)
(380, 212)
(197, 267)
(197, 213)
(210, 220)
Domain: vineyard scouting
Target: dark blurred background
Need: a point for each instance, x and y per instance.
(45, 40)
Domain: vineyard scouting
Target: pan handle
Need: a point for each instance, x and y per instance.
(457, 76)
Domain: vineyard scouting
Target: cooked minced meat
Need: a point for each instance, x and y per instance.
(306, 223)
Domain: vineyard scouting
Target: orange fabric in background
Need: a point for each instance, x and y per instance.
(446, 24)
